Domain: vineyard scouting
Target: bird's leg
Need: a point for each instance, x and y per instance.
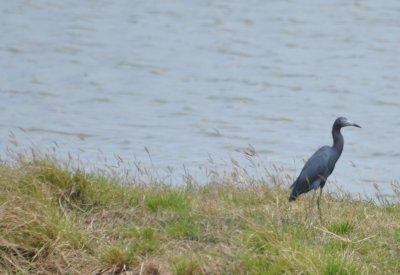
(311, 206)
(319, 208)
(313, 197)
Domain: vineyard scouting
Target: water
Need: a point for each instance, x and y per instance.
(191, 78)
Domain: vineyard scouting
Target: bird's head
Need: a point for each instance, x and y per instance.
(343, 122)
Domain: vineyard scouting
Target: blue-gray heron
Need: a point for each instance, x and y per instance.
(321, 164)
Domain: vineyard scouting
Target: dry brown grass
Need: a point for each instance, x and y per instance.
(55, 219)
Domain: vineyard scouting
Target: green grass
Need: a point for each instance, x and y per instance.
(186, 264)
(59, 220)
(342, 227)
(165, 198)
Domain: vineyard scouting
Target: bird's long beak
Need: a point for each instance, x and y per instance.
(349, 123)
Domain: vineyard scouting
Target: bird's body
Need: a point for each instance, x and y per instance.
(321, 164)
(315, 172)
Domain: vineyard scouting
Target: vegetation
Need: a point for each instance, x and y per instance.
(54, 219)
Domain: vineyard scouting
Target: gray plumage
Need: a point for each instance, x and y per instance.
(321, 164)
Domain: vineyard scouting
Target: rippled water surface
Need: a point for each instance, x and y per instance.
(191, 78)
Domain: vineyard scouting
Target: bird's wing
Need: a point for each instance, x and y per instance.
(319, 166)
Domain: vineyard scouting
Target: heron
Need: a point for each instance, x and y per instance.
(321, 164)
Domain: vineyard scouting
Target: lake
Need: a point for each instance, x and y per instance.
(192, 79)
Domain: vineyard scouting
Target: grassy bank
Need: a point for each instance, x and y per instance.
(54, 220)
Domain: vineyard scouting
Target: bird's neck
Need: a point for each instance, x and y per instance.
(338, 141)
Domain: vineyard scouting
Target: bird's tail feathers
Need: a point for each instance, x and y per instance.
(292, 197)
(293, 194)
